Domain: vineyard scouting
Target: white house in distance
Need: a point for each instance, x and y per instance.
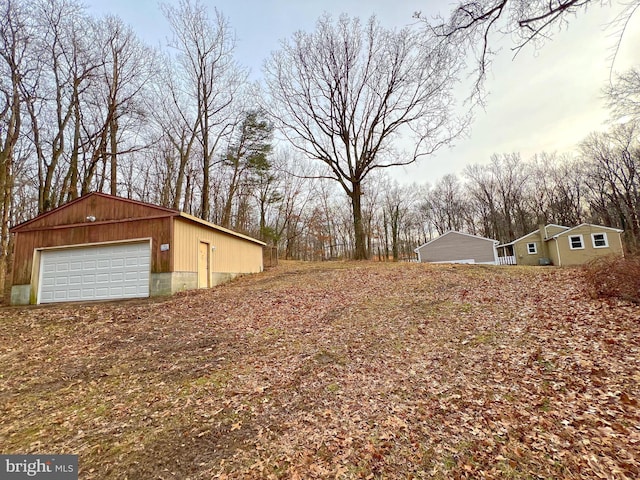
(458, 247)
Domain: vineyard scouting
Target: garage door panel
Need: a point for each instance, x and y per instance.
(95, 273)
(60, 295)
(131, 276)
(117, 277)
(102, 278)
(102, 293)
(132, 262)
(117, 291)
(103, 264)
(75, 292)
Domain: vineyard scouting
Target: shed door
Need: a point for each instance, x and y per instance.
(101, 272)
(203, 265)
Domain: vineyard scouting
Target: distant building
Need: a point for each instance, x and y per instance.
(458, 247)
(562, 246)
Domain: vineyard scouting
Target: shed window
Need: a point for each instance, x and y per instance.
(532, 248)
(599, 240)
(576, 242)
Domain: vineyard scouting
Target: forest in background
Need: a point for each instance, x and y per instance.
(87, 106)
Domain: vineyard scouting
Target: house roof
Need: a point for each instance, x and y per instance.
(24, 225)
(537, 230)
(218, 227)
(568, 232)
(161, 212)
(495, 242)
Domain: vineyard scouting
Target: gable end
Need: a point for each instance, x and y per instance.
(94, 208)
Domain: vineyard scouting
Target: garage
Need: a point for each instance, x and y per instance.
(102, 272)
(104, 247)
(458, 247)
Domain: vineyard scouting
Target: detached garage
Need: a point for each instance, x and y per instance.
(101, 247)
(458, 247)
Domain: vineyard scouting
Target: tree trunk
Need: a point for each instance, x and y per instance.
(75, 153)
(228, 204)
(7, 150)
(395, 232)
(7, 192)
(386, 235)
(113, 138)
(184, 158)
(188, 194)
(263, 217)
(358, 227)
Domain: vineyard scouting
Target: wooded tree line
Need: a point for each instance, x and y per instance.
(504, 199)
(510, 196)
(87, 106)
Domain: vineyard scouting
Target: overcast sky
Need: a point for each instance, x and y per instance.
(547, 100)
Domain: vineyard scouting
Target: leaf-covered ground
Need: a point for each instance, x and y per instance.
(333, 370)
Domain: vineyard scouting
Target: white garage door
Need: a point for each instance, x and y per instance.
(95, 273)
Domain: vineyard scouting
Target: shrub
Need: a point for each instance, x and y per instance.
(615, 277)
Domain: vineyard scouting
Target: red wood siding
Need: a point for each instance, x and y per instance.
(159, 229)
(103, 207)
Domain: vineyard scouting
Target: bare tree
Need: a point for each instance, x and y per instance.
(343, 94)
(511, 175)
(557, 189)
(176, 118)
(472, 24)
(210, 77)
(499, 193)
(398, 202)
(267, 195)
(447, 204)
(614, 176)
(15, 37)
(287, 220)
(624, 95)
(63, 55)
(482, 191)
(127, 67)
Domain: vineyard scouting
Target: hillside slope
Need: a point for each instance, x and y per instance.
(333, 370)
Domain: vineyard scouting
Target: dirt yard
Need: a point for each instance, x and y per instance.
(333, 370)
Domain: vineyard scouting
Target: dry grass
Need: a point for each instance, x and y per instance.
(333, 370)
